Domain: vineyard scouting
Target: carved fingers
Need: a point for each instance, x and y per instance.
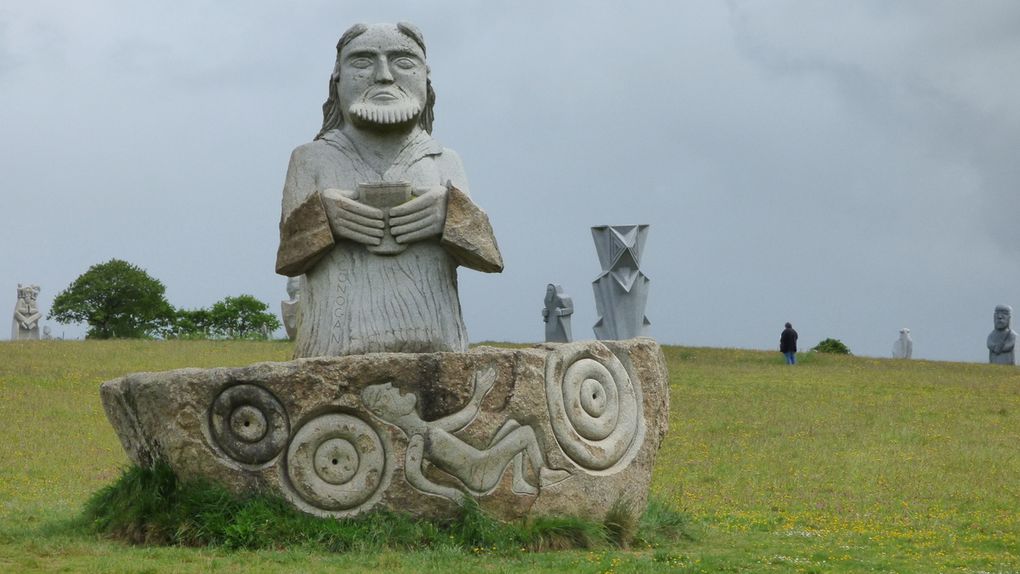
(420, 218)
(351, 219)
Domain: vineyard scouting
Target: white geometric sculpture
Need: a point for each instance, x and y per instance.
(621, 291)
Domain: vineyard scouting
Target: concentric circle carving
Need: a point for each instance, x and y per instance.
(249, 424)
(336, 462)
(594, 407)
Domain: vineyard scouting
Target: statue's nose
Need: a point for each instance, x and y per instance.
(382, 72)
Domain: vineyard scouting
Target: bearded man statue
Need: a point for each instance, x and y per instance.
(376, 213)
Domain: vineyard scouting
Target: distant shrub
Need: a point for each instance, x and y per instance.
(834, 346)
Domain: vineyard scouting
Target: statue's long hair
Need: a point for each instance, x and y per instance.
(332, 114)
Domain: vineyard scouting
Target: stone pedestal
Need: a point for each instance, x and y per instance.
(558, 429)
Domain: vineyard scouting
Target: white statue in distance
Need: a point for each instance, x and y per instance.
(25, 325)
(903, 348)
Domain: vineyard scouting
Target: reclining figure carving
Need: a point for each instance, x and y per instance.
(478, 470)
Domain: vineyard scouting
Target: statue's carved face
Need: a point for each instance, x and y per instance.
(383, 78)
(1002, 319)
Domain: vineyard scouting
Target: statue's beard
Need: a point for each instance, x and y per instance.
(402, 110)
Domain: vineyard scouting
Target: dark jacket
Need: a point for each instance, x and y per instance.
(788, 341)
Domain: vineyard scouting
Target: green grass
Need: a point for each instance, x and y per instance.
(840, 464)
(153, 507)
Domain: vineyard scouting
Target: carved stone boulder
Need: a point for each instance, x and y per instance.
(564, 429)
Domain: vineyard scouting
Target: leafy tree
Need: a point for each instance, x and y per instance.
(117, 300)
(191, 324)
(242, 317)
(834, 346)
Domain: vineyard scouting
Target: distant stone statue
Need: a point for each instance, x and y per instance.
(1002, 340)
(290, 310)
(25, 325)
(556, 314)
(621, 291)
(376, 214)
(903, 348)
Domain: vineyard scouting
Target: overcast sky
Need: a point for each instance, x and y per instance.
(851, 167)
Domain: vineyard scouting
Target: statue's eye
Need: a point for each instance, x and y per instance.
(405, 63)
(361, 63)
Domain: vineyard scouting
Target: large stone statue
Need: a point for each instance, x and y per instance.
(556, 314)
(1002, 340)
(25, 325)
(621, 291)
(376, 213)
(394, 412)
(903, 348)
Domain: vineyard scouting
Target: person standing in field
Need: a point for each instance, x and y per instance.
(788, 344)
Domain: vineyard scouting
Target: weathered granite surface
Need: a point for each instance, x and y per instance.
(556, 429)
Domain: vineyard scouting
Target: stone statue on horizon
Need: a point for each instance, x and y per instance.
(556, 314)
(621, 290)
(1002, 339)
(903, 348)
(290, 308)
(25, 325)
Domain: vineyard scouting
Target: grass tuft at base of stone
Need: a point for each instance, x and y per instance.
(153, 507)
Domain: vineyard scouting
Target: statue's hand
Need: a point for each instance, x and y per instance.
(420, 218)
(351, 219)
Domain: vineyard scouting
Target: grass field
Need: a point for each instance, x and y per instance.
(841, 464)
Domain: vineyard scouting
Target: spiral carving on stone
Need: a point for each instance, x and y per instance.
(594, 407)
(337, 462)
(249, 424)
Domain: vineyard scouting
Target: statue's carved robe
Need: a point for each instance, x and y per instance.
(358, 302)
(1007, 340)
(28, 312)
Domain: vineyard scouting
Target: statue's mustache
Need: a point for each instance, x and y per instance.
(402, 108)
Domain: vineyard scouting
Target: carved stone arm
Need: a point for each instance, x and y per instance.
(305, 236)
(467, 234)
(32, 319)
(461, 418)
